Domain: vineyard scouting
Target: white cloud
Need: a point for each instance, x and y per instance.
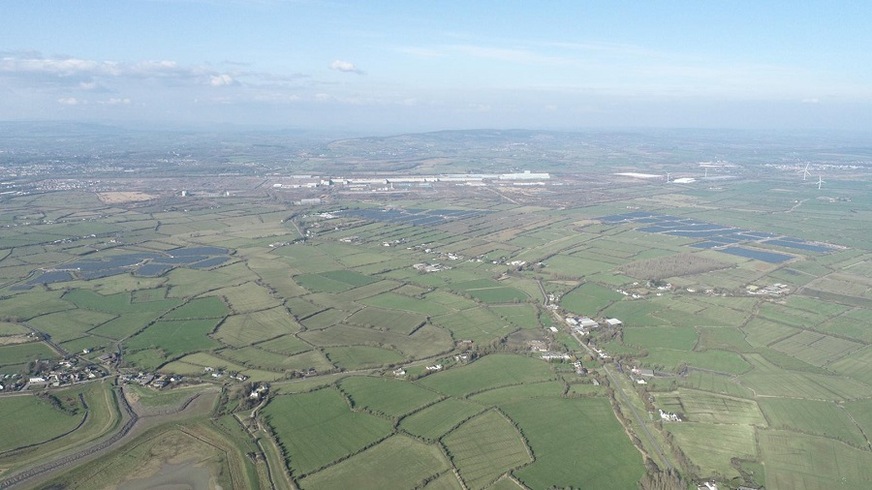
(813, 100)
(115, 101)
(82, 73)
(345, 67)
(221, 80)
(69, 101)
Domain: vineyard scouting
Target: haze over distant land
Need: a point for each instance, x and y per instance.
(388, 67)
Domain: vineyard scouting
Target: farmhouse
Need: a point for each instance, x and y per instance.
(434, 367)
(649, 373)
(614, 322)
(538, 346)
(669, 416)
(555, 356)
(586, 322)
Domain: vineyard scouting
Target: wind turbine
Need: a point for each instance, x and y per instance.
(667, 177)
(806, 173)
(821, 181)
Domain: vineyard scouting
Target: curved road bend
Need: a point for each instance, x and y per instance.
(69, 460)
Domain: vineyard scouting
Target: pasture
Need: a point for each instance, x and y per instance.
(259, 326)
(438, 419)
(700, 406)
(354, 357)
(814, 463)
(486, 447)
(488, 372)
(398, 321)
(589, 299)
(53, 422)
(521, 316)
(712, 446)
(577, 442)
(426, 341)
(477, 324)
(316, 429)
(396, 301)
(715, 360)
(813, 417)
(677, 338)
(175, 338)
(508, 394)
(396, 462)
(199, 308)
(24, 353)
(387, 396)
(787, 372)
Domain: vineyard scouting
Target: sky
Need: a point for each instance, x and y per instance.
(403, 66)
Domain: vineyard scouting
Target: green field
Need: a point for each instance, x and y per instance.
(208, 307)
(807, 462)
(507, 394)
(591, 434)
(498, 295)
(318, 428)
(437, 420)
(335, 281)
(813, 417)
(700, 406)
(486, 373)
(284, 345)
(23, 353)
(70, 324)
(397, 462)
(715, 360)
(314, 304)
(394, 301)
(426, 341)
(485, 447)
(53, 422)
(102, 416)
(476, 324)
(522, 316)
(398, 321)
(362, 356)
(390, 397)
(175, 338)
(248, 328)
(125, 325)
(589, 299)
(712, 446)
(7, 328)
(666, 337)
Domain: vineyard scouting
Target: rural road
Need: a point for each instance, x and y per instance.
(69, 460)
(652, 442)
